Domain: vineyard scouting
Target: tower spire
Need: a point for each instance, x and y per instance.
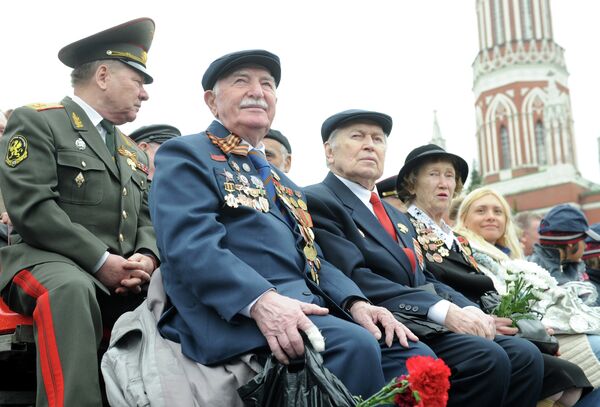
(437, 138)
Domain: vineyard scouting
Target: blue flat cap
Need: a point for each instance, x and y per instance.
(277, 136)
(564, 224)
(157, 133)
(355, 115)
(128, 42)
(227, 63)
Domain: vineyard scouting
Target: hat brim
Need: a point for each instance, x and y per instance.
(463, 167)
(348, 117)
(265, 60)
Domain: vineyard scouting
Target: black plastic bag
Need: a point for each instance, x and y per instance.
(303, 383)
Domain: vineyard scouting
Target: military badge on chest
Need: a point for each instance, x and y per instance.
(243, 189)
(132, 160)
(434, 247)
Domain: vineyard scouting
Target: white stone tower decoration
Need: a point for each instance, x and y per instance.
(522, 102)
(436, 137)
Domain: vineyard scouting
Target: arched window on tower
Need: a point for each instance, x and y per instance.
(540, 143)
(504, 148)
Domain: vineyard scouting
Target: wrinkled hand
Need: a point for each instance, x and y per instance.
(4, 218)
(138, 261)
(280, 318)
(368, 316)
(114, 275)
(504, 326)
(470, 320)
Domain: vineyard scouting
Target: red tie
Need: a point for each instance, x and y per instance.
(382, 216)
(385, 221)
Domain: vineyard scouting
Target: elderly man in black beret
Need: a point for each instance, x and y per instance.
(375, 245)
(76, 190)
(240, 265)
(150, 138)
(278, 150)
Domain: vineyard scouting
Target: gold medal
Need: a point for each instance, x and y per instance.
(79, 180)
(402, 227)
(229, 186)
(310, 252)
(293, 201)
(302, 204)
(437, 258)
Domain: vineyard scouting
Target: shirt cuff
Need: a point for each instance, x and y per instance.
(246, 310)
(100, 263)
(438, 311)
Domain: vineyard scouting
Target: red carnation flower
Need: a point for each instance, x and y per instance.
(430, 378)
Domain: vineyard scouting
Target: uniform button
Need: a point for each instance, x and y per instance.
(307, 293)
(83, 164)
(401, 306)
(408, 308)
(124, 214)
(121, 237)
(415, 308)
(142, 182)
(124, 191)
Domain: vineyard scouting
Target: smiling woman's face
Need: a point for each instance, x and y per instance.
(434, 188)
(487, 218)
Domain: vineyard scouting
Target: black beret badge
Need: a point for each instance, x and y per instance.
(17, 151)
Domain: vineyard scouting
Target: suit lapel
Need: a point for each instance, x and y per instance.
(88, 132)
(367, 221)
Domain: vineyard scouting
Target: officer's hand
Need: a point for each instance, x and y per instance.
(470, 320)
(504, 326)
(279, 318)
(112, 272)
(138, 261)
(368, 316)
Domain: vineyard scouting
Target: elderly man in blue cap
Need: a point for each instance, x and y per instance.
(278, 150)
(239, 262)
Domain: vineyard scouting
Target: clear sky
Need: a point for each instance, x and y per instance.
(404, 58)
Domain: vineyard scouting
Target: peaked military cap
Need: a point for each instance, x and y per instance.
(564, 224)
(354, 115)
(157, 133)
(128, 42)
(277, 136)
(387, 187)
(227, 63)
(417, 156)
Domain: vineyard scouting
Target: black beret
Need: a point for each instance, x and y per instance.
(227, 63)
(417, 156)
(354, 115)
(277, 136)
(128, 42)
(158, 133)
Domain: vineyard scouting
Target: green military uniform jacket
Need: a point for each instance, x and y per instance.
(68, 198)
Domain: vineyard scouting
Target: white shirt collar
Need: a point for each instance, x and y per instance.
(362, 193)
(444, 231)
(93, 115)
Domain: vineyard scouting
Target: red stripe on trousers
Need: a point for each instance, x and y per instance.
(49, 358)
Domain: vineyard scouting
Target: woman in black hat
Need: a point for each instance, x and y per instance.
(427, 183)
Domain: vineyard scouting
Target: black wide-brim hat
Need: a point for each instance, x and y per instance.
(128, 42)
(417, 156)
(355, 115)
(227, 63)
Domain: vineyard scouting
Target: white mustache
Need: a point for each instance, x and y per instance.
(251, 102)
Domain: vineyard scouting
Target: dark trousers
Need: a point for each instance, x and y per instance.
(505, 372)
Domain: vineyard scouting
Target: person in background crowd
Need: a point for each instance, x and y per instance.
(3, 120)
(76, 191)
(529, 223)
(375, 245)
(278, 150)
(239, 262)
(386, 189)
(591, 257)
(150, 138)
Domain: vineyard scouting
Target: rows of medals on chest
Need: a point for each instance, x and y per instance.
(435, 248)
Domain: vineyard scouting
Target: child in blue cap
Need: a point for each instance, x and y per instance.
(591, 256)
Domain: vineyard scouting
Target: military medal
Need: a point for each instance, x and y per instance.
(264, 203)
(310, 252)
(242, 178)
(437, 258)
(131, 164)
(228, 175)
(246, 167)
(80, 144)
(235, 166)
(231, 201)
(275, 175)
(402, 227)
(302, 204)
(257, 182)
(79, 180)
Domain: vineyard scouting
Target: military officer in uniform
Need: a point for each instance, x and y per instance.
(375, 245)
(76, 191)
(150, 138)
(239, 262)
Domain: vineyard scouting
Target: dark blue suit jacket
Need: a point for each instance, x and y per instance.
(217, 259)
(353, 240)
